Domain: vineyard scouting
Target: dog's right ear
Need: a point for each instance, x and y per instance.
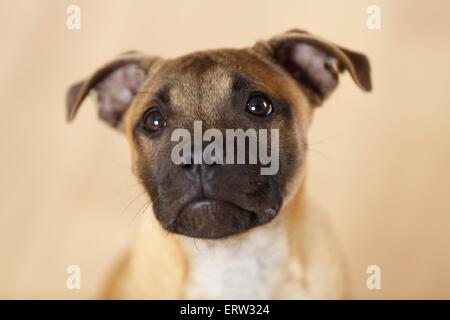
(315, 63)
(116, 85)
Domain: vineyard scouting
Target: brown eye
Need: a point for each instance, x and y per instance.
(154, 120)
(259, 106)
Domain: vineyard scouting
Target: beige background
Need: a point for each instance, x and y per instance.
(380, 164)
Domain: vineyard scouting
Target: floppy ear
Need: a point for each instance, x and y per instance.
(116, 85)
(315, 63)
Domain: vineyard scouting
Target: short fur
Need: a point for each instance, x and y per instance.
(270, 243)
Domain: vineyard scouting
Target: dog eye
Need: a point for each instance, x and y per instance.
(259, 106)
(154, 120)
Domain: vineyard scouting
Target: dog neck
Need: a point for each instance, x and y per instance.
(244, 267)
(254, 265)
(294, 256)
(260, 263)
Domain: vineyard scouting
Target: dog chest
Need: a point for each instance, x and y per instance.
(251, 267)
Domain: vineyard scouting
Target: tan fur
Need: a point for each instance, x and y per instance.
(295, 256)
(158, 268)
(157, 265)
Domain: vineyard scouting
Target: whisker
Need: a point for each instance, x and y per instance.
(239, 247)
(129, 204)
(325, 139)
(318, 142)
(141, 210)
(321, 154)
(195, 244)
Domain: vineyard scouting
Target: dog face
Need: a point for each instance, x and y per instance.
(270, 87)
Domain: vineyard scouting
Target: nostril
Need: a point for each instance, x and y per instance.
(186, 165)
(211, 161)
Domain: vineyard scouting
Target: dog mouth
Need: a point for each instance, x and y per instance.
(212, 218)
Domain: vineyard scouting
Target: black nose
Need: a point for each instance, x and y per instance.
(196, 160)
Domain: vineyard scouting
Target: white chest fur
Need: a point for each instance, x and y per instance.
(249, 267)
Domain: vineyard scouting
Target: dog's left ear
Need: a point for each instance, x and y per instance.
(116, 84)
(315, 63)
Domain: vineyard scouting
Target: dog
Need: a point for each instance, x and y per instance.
(225, 231)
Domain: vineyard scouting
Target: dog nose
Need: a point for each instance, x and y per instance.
(194, 161)
(197, 159)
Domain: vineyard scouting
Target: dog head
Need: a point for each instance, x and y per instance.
(271, 87)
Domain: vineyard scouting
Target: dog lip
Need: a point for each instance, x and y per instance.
(212, 218)
(271, 212)
(199, 202)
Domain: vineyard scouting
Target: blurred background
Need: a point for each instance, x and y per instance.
(380, 163)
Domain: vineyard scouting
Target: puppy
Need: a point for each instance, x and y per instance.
(219, 230)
